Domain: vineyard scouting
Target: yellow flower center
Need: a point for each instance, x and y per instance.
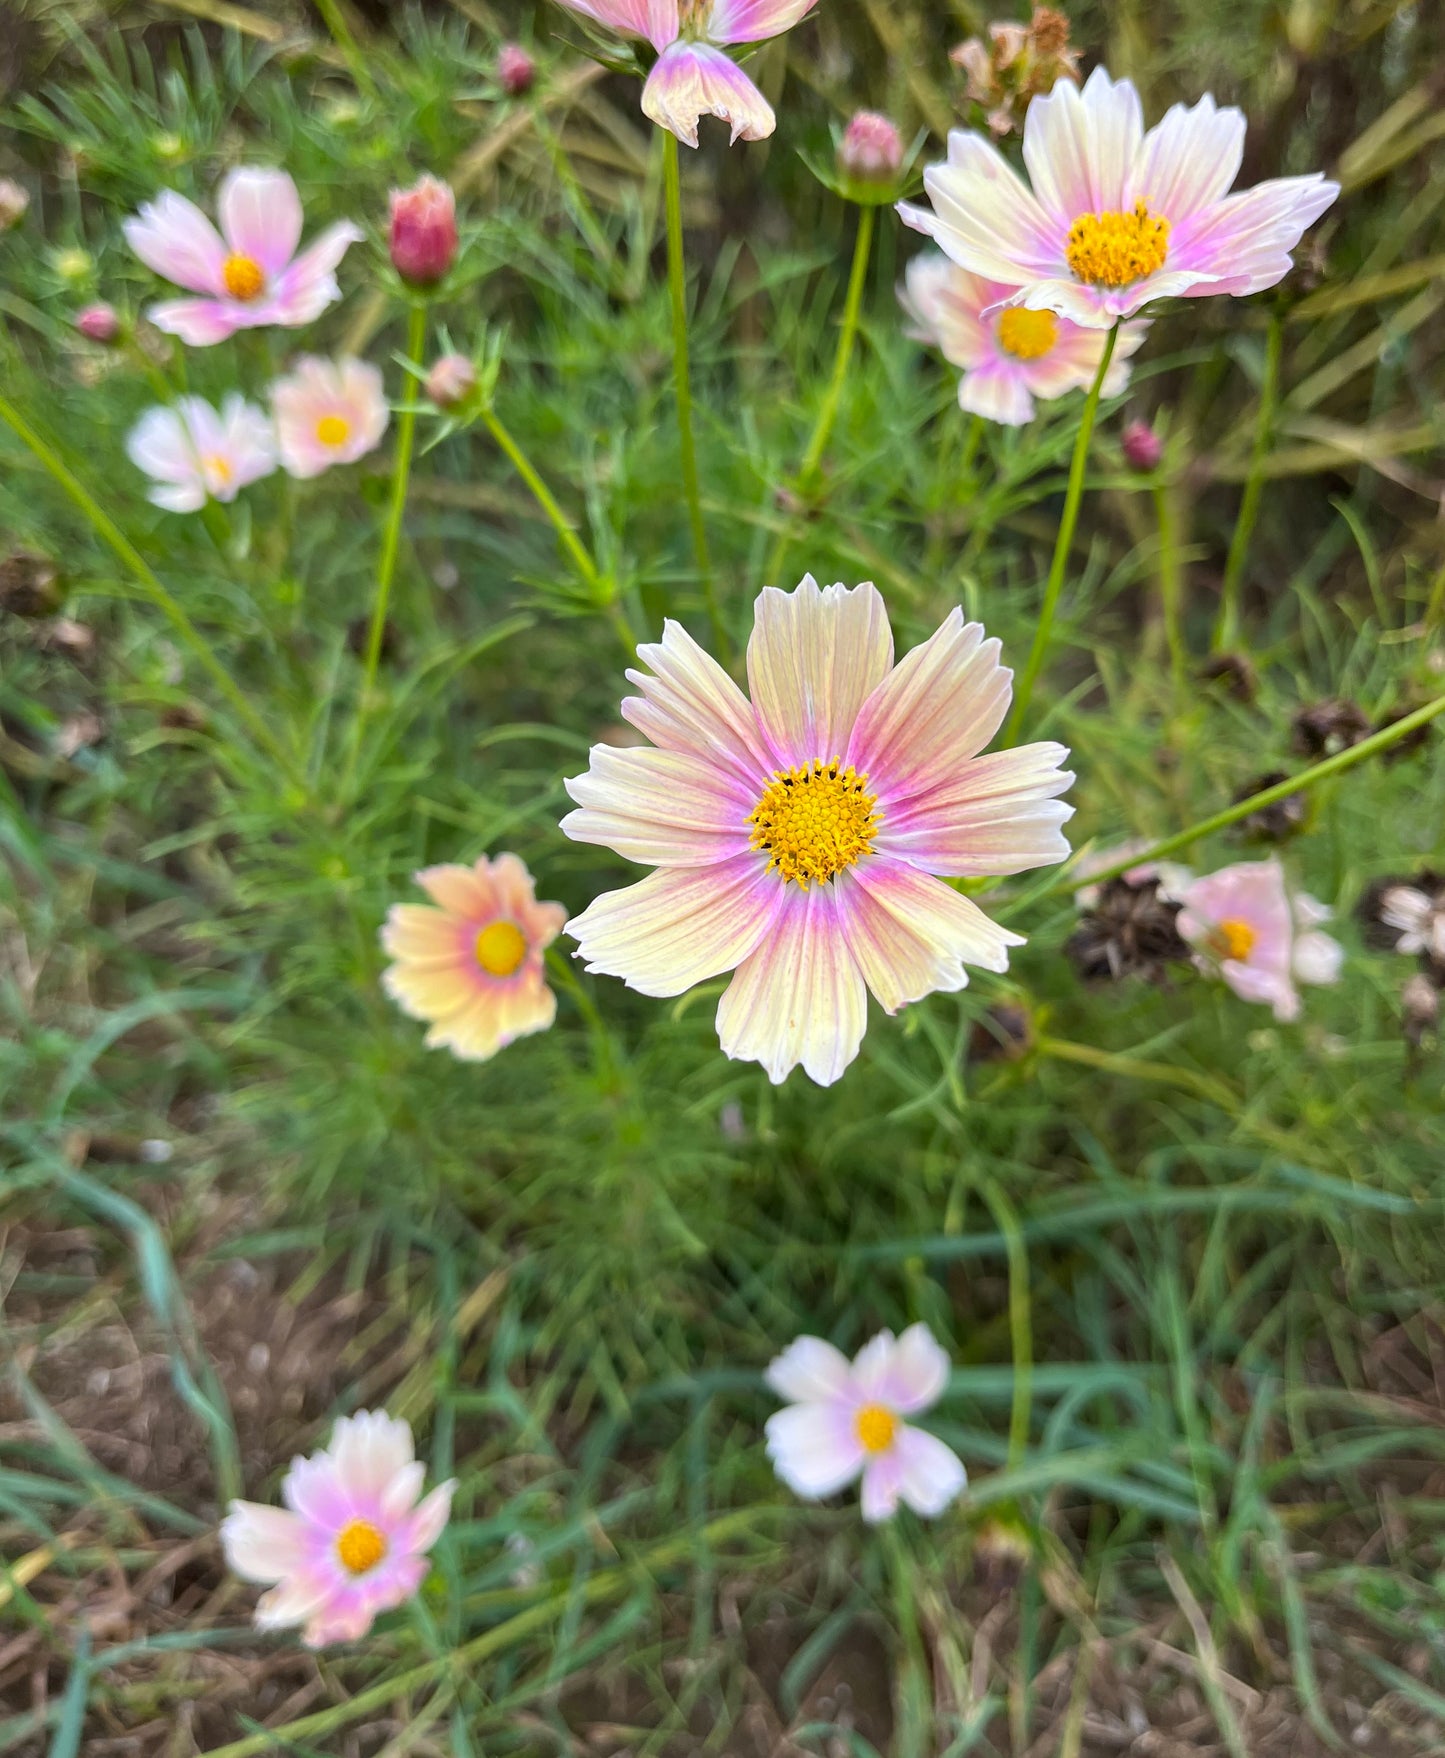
(360, 1546)
(876, 1428)
(1027, 335)
(1236, 939)
(244, 277)
(501, 947)
(218, 467)
(333, 430)
(1115, 250)
(815, 820)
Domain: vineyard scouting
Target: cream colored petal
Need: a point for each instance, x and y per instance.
(689, 704)
(813, 658)
(659, 807)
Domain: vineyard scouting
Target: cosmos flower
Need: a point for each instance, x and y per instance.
(1116, 217)
(845, 1418)
(473, 966)
(248, 273)
(797, 837)
(328, 412)
(692, 77)
(1247, 927)
(352, 1538)
(1009, 356)
(193, 453)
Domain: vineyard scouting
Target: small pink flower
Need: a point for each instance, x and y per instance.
(845, 1418)
(353, 1538)
(193, 453)
(248, 272)
(516, 70)
(451, 381)
(871, 149)
(1009, 356)
(423, 236)
(1141, 446)
(1248, 928)
(98, 323)
(328, 412)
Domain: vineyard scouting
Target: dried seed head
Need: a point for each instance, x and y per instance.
(1276, 822)
(29, 584)
(1323, 728)
(1130, 931)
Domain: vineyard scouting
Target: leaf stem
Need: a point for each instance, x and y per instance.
(1226, 630)
(1020, 1319)
(847, 335)
(1171, 584)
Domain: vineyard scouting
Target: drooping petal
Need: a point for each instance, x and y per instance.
(199, 323)
(810, 1371)
(996, 814)
(814, 1448)
(814, 657)
(985, 217)
(1080, 146)
(172, 236)
(659, 807)
(654, 20)
(905, 1374)
(752, 21)
(1188, 160)
(692, 79)
(260, 215)
(261, 1543)
(690, 704)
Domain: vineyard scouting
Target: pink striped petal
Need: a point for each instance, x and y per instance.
(995, 815)
(904, 1374)
(1080, 146)
(654, 20)
(692, 79)
(659, 807)
(985, 217)
(814, 1448)
(305, 288)
(814, 657)
(690, 704)
(751, 21)
(1188, 160)
(1245, 241)
(810, 1371)
(260, 215)
(199, 323)
(172, 236)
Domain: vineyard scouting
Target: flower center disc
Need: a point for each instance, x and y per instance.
(1027, 335)
(1114, 249)
(815, 820)
(876, 1428)
(501, 947)
(244, 277)
(360, 1546)
(333, 430)
(219, 468)
(1236, 939)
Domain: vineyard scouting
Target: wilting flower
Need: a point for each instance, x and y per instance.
(1419, 1010)
(423, 236)
(248, 272)
(1116, 217)
(692, 77)
(328, 412)
(845, 1418)
(1017, 64)
(1279, 820)
(473, 967)
(516, 70)
(871, 150)
(796, 837)
(1406, 912)
(1247, 927)
(1009, 356)
(352, 1539)
(193, 453)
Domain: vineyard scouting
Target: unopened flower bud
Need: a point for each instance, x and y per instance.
(516, 69)
(1142, 447)
(14, 199)
(451, 381)
(871, 150)
(423, 238)
(98, 323)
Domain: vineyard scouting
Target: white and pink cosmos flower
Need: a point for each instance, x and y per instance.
(1116, 217)
(1250, 929)
(1009, 356)
(845, 1419)
(248, 273)
(692, 77)
(798, 836)
(353, 1538)
(328, 412)
(194, 453)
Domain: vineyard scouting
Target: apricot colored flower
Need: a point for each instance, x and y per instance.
(194, 453)
(472, 967)
(1116, 217)
(1248, 927)
(328, 412)
(797, 836)
(248, 273)
(353, 1538)
(845, 1419)
(1009, 356)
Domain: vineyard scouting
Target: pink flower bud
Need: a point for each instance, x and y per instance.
(871, 149)
(423, 240)
(98, 323)
(14, 199)
(451, 381)
(515, 69)
(1142, 447)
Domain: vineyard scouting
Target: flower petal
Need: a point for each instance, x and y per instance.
(912, 936)
(985, 217)
(814, 1448)
(426, 1525)
(659, 807)
(1188, 160)
(931, 1475)
(498, 1016)
(655, 20)
(305, 288)
(200, 323)
(260, 215)
(690, 704)
(467, 892)
(1318, 958)
(370, 1449)
(693, 79)
(998, 393)
(945, 304)
(261, 1543)
(905, 1374)
(172, 236)
(1245, 240)
(1080, 146)
(810, 1371)
(996, 814)
(752, 21)
(814, 657)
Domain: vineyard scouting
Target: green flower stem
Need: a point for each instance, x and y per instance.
(106, 528)
(582, 210)
(677, 282)
(847, 335)
(1171, 584)
(1045, 627)
(1020, 1319)
(1226, 630)
(336, 24)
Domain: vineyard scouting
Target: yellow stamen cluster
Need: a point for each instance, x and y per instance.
(1114, 249)
(360, 1546)
(875, 1427)
(219, 467)
(333, 430)
(244, 277)
(814, 820)
(500, 948)
(1236, 939)
(1027, 335)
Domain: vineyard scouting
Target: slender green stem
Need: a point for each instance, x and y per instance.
(1020, 1319)
(847, 335)
(335, 22)
(1171, 584)
(106, 528)
(677, 282)
(582, 210)
(1059, 566)
(1435, 607)
(1226, 630)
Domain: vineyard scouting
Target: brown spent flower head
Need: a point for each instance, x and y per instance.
(1235, 671)
(871, 150)
(516, 70)
(14, 200)
(1130, 931)
(29, 584)
(1015, 64)
(423, 240)
(1405, 912)
(1276, 822)
(451, 381)
(1005, 1033)
(1323, 728)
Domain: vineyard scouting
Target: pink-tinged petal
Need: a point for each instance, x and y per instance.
(904, 1374)
(1188, 160)
(494, 1020)
(690, 704)
(939, 706)
(464, 891)
(998, 393)
(882, 1478)
(1252, 892)
(1080, 146)
(261, 1543)
(399, 1498)
(1263, 984)
(659, 807)
(985, 217)
(160, 445)
(426, 1525)
(339, 1620)
(260, 215)
(814, 1448)
(906, 911)
(305, 289)
(199, 323)
(680, 926)
(435, 992)
(1074, 360)
(994, 815)
(296, 1599)
(752, 21)
(1309, 912)
(313, 1489)
(1245, 240)
(369, 1449)
(172, 236)
(1101, 307)
(810, 1371)
(814, 657)
(692, 79)
(945, 304)
(654, 20)
(1318, 958)
(931, 1475)
(799, 997)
